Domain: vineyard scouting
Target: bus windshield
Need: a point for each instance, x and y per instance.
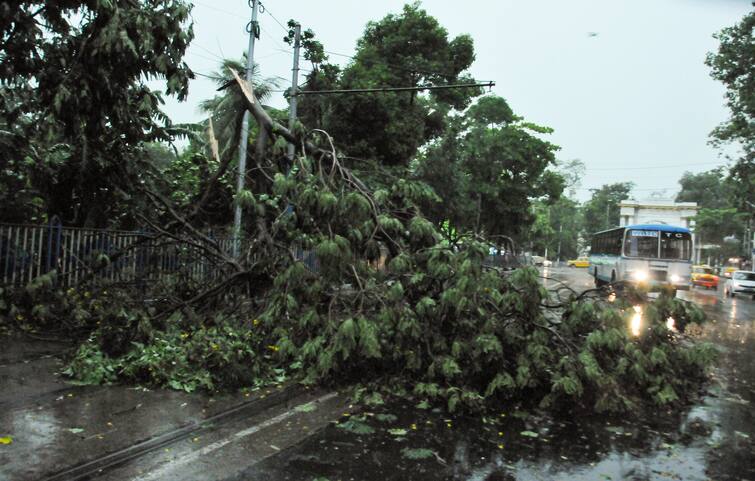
(656, 244)
(641, 243)
(676, 246)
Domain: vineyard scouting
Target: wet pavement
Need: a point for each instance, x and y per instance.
(711, 440)
(286, 433)
(60, 431)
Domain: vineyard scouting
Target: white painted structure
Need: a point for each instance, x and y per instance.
(661, 211)
(658, 211)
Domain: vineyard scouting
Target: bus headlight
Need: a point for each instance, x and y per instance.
(640, 276)
(675, 279)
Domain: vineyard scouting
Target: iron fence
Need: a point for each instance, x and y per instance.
(101, 255)
(131, 257)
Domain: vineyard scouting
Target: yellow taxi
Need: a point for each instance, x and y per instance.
(704, 276)
(579, 262)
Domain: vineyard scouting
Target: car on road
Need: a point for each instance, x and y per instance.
(704, 276)
(541, 261)
(579, 262)
(732, 265)
(741, 282)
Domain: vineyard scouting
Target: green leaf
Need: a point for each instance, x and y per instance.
(417, 453)
(386, 418)
(529, 434)
(356, 427)
(305, 408)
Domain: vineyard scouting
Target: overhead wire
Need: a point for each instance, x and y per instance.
(653, 167)
(267, 10)
(213, 7)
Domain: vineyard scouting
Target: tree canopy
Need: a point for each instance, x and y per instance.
(486, 169)
(74, 106)
(734, 65)
(601, 212)
(401, 50)
(709, 189)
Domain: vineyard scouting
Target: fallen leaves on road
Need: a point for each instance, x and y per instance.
(6, 440)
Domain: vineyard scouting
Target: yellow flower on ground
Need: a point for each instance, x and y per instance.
(256, 322)
(273, 348)
(414, 426)
(500, 446)
(6, 440)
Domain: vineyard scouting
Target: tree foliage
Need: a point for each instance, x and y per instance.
(734, 65)
(72, 74)
(486, 169)
(718, 216)
(342, 281)
(401, 50)
(709, 189)
(557, 225)
(601, 212)
(433, 323)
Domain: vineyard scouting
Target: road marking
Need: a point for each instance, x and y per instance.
(163, 470)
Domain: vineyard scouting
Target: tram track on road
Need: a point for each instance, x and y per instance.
(98, 466)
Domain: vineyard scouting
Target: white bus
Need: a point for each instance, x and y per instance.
(647, 254)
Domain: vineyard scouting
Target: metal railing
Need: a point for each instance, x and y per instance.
(100, 255)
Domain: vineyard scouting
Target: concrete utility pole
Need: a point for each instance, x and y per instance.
(253, 29)
(294, 87)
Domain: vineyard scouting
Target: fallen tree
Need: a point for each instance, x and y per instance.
(390, 305)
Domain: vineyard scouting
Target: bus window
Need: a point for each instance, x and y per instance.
(641, 243)
(676, 246)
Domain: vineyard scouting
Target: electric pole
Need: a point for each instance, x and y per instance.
(254, 30)
(294, 88)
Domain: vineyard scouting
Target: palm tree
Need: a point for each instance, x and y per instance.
(227, 110)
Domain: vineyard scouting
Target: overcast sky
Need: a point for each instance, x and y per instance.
(634, 102)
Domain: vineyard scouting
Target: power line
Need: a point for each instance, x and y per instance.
(267, 10)
(212, 7)
(395, 89)
(208, 51)
(276, 41)
(643, 189)
(202, 56)
(651, 167)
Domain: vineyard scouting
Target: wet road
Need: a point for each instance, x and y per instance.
(713, 440)
(306, 436)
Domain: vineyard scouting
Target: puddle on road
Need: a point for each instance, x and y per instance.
(678, 447)
(711, 440)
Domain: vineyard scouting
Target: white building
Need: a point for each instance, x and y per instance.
(658, 211)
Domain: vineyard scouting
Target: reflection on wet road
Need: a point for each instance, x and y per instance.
(713, 440)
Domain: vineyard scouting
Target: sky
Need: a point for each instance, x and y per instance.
(622, 82)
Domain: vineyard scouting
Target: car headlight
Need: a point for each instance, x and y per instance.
(675, 279)
(640, 276)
